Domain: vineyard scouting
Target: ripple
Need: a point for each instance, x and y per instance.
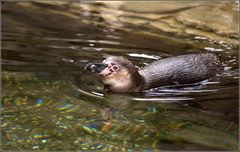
(213, 49)
(200, 38)
(164, 100)
(62, 108)
(143, 56)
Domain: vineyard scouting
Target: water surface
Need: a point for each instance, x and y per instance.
(49, 102)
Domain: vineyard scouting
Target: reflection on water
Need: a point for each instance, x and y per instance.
(50, 103)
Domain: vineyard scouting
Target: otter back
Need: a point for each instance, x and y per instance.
(182, 69)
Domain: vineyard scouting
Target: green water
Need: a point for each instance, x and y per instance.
(49, 102)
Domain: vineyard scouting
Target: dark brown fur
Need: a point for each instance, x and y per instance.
(182, 69)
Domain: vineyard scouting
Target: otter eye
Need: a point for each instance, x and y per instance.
(115, 67)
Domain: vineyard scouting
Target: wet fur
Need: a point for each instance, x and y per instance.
(184, 69)
(127, 79)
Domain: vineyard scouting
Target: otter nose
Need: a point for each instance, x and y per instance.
(96, 67)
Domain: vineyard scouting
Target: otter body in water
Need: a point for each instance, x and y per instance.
(120, 75)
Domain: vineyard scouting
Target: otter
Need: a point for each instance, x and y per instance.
(121, 75)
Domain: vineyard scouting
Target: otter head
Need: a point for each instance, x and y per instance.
(118, 74)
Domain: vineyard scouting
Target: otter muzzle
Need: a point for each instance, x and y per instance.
(95, 67)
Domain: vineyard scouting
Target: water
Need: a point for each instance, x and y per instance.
(49, 102)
